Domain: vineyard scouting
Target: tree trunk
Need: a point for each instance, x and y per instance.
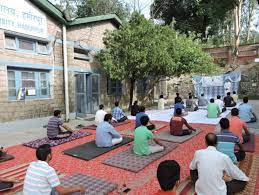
(250, 16)
(132, 86)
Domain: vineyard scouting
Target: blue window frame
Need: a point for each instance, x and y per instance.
(26, 45)
(36, 83)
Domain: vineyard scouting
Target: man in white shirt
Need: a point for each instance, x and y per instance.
(99, 116)
(207, 171)
(220, 103)
(41, 179)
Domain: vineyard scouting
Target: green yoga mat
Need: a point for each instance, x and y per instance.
(89, 151)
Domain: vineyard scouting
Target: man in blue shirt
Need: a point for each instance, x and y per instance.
(178, 104)
(246, 113)
(118, 114)
(227, 141)
(141, 113)
(106, 135)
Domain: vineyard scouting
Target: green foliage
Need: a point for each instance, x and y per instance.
(102, 7)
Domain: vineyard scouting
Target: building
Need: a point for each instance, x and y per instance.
(46, 62)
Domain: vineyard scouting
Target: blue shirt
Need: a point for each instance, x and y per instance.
(178, 105)
(226, 144)
(138, 117)
(105, 132)
(117, 113)
(245, 111)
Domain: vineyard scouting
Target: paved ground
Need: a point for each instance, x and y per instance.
(18, 132)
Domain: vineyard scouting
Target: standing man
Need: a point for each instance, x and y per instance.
(42, 179)
(208, 167)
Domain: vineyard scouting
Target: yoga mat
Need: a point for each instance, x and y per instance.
(165, 135)
(249, 166)
(249, 146)
(92, 184)
(89, 151)
(130, 132)
(93, 127)
(129, 161)
(6, 157)
(36, 143)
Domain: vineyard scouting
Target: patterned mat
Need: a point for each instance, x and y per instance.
(36, 143)
(129, 161)
(250, 166)
(93, 127)
(130, 132)
(6, 157)
(92, 184)
(166, 136)
(249, 146)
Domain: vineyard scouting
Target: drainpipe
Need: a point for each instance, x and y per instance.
(64, 30)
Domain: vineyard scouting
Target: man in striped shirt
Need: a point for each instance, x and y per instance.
(41, 179)
(227, 141)
(56, 128)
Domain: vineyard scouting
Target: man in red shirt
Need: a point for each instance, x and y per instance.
(237, 125)
(176, 124)
(168, 175)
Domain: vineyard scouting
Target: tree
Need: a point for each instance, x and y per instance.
(141, 49)
(102, 7)
(202, 17)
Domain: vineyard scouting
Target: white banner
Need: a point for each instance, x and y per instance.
(23, 17)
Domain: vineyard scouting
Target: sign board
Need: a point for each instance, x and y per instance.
(22, 16)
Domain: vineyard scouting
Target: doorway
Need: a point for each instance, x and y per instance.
(87, 93)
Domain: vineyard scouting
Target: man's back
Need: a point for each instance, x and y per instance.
(236, 126)
(220, 103)
(202, 101)
(228, 101)
(245, 111)
(117, 113)
(235, 97)
(213, 110)
(53, 126)
(141, 137)
(40, 179)
(176, 125)
(178, 105)
(138, 117)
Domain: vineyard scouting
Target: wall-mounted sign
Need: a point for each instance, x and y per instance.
(23, 17)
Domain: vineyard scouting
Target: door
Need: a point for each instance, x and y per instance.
(87, 93)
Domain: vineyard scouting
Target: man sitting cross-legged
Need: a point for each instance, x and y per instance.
(141, 113)
(118, 114)
(106, 135)
(141, 137)
(246, 113)
(42, 179)
(202, 101)
(229, 101)
(208, 167)
(99, 116)
(213, 109)
(168, 175)
(56, 129)
(176, 124)
(237, 125)
(227, 141)
(178, 104)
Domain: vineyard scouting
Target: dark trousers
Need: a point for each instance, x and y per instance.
(253, 120)
(122, 119)
(151, 127)
(5, 185)
(231, 105)
(240, 155)
(184, 132)
(246, 138)
(62, 135)
(233, 186)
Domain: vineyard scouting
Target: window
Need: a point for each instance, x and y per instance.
(81, 54)
(114, 87)
(36, 83)
(142, 86)
(26, 45)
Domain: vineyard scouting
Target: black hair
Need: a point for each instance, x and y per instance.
(211, 139)
(142, 109)
(178, 111)
(234, 92)
(202, 94)
(178, 100)
(177, 94)
(107, 117)
(135, 102)
(101, 107)
(144, 120)
(190, 96)
(228, 93)
(168, 173)
(245, 99)
(212, 100)
(224, 123)
(218, 96)
(43, 151)
(116, 103)
(57, 112)
(234, 112)
(161, 96)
